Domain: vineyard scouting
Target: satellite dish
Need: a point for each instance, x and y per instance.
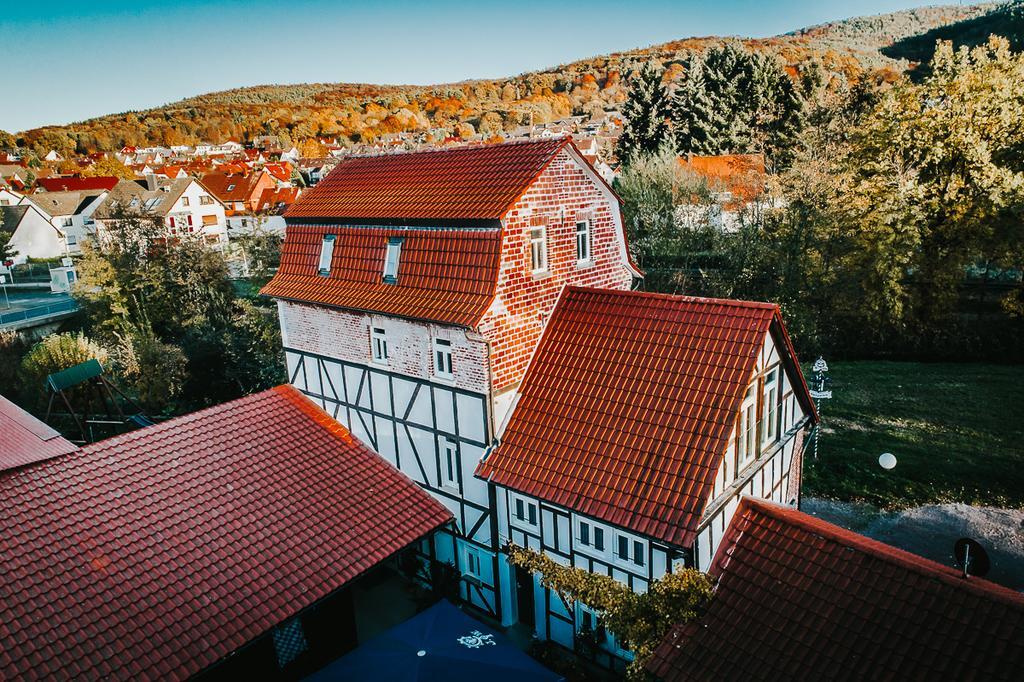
(887, 461)
(972, 557)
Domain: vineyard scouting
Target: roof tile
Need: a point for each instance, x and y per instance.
(156, 553)
(799, 598)
(626, 408)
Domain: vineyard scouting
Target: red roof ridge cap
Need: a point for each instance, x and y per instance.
(635, 293)
(908, 560)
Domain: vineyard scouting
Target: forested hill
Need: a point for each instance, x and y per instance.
(846, 48)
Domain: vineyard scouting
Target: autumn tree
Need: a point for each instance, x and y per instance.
(645, 115)
(109, 166)
(936, 184)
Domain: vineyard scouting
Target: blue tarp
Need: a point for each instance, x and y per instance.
(441, 643)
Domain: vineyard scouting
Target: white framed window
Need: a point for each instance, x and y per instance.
(588, 620)
(770, 406)
(67, 222)
(582, 241)
(472, 562)
(443, 358)
(746, 442)
(590, 535)
(538, 249)
(205, 200)
(326, 254)
(72, 240)
(630, 551)
(391, 255)
(378, 345)
(449, 463)
(524, 512)
(184, 201)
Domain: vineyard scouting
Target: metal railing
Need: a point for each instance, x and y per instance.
(38, 311)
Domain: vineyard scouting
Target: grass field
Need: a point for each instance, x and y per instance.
(957, 431)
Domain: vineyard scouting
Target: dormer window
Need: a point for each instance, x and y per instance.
(391, 256)
(230, 187)
(326, 253)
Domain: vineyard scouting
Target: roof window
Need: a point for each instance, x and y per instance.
(326, 253)
(391, 256)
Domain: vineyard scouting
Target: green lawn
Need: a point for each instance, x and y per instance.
(957, 431)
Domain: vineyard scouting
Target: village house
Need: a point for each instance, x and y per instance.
(184, 206)
(738, 185)
(33, 235)
(641, 421)
(412, 292)
(227, 543)
(70, 212)
(240, 193)
(799, 598)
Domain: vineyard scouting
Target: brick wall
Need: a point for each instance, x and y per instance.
(346, 336)
(562, 194)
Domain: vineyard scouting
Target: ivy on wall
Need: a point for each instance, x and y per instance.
(639, 621)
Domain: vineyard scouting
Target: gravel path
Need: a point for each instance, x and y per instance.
(932, 529)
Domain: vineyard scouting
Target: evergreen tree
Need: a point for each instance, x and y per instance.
(693, 111)
(645, 114)
(734, 102)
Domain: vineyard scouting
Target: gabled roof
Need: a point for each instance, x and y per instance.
(277, 199)
(135, 197)
(55, 204)
(626, 409)
(154, 554)
(25, 440)
(461, 183)
(443, 275)
(232, 187)
(72, 184)
(799, 598)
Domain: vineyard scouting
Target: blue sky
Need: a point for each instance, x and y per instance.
(86, 58)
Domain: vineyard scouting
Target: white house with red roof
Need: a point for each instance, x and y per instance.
(412, 292)
(641, 421)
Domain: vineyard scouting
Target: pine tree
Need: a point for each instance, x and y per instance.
(645, 114)
(735, 102)
(693, 111)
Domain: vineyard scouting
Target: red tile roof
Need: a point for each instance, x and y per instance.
(443, 275)
(626, 409)
(26, 440)
(230, 188)
(462, 183)
(70, 184)
(275, 199)
(799, 598)
(741, 174)
(281, 170)
(156, 553)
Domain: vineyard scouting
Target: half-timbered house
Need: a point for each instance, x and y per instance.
(412, 291)
(640, 422)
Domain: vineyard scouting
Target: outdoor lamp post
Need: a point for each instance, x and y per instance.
(820, 392)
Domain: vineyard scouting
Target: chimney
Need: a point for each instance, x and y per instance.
(151, 182)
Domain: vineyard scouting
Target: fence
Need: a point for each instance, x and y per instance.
(38, 311)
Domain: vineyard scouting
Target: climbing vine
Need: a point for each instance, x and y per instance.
(639, 621)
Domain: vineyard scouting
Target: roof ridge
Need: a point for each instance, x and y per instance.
(174, 421)
(880, 550)
(635, 293)
(466, 146)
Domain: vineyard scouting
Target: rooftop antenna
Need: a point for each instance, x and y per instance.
(972, 557)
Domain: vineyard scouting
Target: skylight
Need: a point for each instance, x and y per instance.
(326, 253)
(391, 257)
